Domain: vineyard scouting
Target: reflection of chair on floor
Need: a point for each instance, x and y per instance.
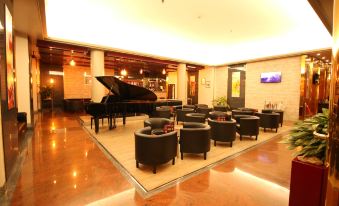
(224, 131)
(154, 149)
(195, 138)
(156, 122)
(248, 126)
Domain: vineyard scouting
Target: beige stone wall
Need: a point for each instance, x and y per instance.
(173, 79)
(287, 92)
(206, 91)
(220, 78)
(74, 81)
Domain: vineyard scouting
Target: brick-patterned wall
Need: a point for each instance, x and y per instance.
(287, 92)
(74, 82)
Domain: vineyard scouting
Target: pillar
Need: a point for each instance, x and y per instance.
(97, 69)
(332, 194)
(182, 83)
(23, 79)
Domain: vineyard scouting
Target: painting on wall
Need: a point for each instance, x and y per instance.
(9, 60)
(235, 84)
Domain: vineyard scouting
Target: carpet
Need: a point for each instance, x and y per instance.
(119, 142)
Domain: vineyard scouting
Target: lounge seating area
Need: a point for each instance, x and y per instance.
(195, 133)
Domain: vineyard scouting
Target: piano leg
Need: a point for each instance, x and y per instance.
(96, 124)
(124, 119)
(112, 121)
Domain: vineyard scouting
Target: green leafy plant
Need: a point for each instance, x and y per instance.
(220, 101)
(309, 137)
(45, 92)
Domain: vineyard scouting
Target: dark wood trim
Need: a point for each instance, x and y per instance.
(324, 9)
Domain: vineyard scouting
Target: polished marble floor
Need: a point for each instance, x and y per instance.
(63, 166)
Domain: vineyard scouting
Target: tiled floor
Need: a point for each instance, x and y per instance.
(64, 167)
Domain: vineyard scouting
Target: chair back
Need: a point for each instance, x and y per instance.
(154, 149)
(222, 130)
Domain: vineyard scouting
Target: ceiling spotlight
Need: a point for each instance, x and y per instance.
(163, 71)
(141, 71)
(72, 63)
(123, 72)
(323, 57)
(327, 60)
(318, 54)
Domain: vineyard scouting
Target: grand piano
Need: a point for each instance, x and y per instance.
(124, 99)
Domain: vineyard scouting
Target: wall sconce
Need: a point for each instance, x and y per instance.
(203, 81)
(72, 63)
(51, 80)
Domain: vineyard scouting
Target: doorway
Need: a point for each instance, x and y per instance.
(171, 91)
(192, 87)
(236, 86)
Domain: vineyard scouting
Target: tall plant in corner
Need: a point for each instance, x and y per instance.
(309, 138)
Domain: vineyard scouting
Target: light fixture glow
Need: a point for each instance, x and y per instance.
(299, 30)
(141, 71)
(51, 81)
(163, 71)
(123, 72)
(72, 63)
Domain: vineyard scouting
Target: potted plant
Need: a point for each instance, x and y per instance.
(221, 102)
(45, 92)
(309, 172)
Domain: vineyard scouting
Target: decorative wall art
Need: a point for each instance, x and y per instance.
(235, 84)
(9, 60)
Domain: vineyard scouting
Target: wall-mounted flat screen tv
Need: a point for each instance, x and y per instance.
(270, 77)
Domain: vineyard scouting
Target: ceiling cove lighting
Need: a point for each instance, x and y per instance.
(147, 29)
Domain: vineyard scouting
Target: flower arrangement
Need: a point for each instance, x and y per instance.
(309, 138)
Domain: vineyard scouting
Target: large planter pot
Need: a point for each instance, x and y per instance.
(308, 184)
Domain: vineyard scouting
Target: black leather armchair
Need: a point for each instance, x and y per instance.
(201, 106)
(156, 123)
(154, 150)
(217, 114)
(189, 106)
(241, 112)
(269, 120)
(204, 110)
(248, 126)
(220, 108)
(195, 117)
(224, 131)
(163, 112)
(195, 138)
(281, 120)
(181, 114)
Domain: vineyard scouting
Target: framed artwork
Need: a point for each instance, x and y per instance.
(235, 84)
(9, 60)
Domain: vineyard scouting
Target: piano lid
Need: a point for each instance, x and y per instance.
(126, 91)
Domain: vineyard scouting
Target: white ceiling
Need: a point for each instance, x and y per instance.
(210, 32)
